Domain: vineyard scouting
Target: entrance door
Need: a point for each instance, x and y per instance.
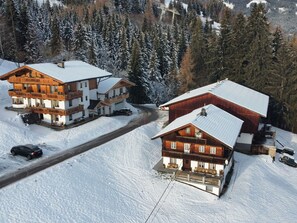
(186, 164)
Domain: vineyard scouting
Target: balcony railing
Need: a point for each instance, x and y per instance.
(198, 178)
(32, 80)
(49, 96)
(116, 98)
(197, 157)
(53, 111)
(190, 140)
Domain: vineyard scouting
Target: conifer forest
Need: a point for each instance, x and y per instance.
(164, 55)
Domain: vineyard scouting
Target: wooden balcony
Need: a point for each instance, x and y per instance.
(190, 140)
(53, 111)
(44, 96)
(198, 178)
(197, 157)
(32, 80)
(116, 98)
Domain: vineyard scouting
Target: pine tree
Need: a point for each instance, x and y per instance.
(259, 55)
(137, 93)
(56, 42)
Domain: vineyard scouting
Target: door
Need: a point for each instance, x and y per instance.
(186, 164)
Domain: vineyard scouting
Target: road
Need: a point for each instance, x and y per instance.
(148, 115)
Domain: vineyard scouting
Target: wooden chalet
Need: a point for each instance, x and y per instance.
(199, 147)
(59, 93)
(240, 101)
(111, 95)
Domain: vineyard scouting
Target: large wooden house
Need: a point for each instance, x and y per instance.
(240, 101)
(199, 147)
(111, 95)
(59, 93)
(245, 103)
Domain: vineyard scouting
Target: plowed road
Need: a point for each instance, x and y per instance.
(149, 115)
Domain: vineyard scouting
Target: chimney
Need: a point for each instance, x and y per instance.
(61, 64)
(203, 112)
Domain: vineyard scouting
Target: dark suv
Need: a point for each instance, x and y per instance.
(30, 151)
(123, 111)
(288, 159)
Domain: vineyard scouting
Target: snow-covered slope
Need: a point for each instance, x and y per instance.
(116, 183)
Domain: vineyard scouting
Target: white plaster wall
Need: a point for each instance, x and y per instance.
(194, 164)
(219, 168)
(75, 103)
(166, 160)
(84, 87)
(47, 103)
(62, 104)
(62, 119)
(93, 94)
(216, 190)
(47, 118)
(179, 162)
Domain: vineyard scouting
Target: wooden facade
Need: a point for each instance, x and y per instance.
(250, 118)
(199, 147)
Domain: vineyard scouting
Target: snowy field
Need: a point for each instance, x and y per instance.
(115, 182)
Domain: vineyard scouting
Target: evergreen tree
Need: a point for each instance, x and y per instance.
(56, 42)
(259, 55)
(137, 93)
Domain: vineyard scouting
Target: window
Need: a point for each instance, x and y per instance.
(106, 95)
(188, 130)
(86, 98)
(213, 150)
(198, 133)
(70, 117)
(114, 93)
(187, 148)
(81, 99)
(201, 149)
(201, 164)
(86, 84)
(173, 145)
(80, 85)
(212, 166)
(121, 90)
(172, 160)
(70, 103)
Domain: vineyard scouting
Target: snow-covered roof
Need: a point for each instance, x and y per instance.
(72, 71)
(217, 123)
(107, 84)
(230, 91)
(7, 66)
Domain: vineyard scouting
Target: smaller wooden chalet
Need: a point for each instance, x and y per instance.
(111, 95)
(58, 93)
(199, 147)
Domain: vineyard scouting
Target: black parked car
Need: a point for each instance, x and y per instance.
(287, 159)
(30, 151)
(287, 150)
(123, 111)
